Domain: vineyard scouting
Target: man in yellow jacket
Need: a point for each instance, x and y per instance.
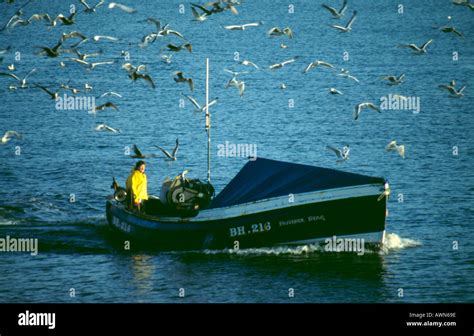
(137, 185)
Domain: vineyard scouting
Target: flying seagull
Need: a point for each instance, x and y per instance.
(276, 31)
(335, 91)
(181, 79)
(239, 84)
(198, 107)
(415, 48)
(337, 14)
(317, 63)
(394, 80)
(242, 27)
(282, 64)
(451, 30)
(248, 63)
(137, 154)
(23, 83)
(123, 8)
(348, 27)
(90, 9)
(134, 73)
(393, 147)
(452, 90)
(171, 156)
(358, 109)
(106, 105)
(8, 136)
(342, 154)
(104, 127)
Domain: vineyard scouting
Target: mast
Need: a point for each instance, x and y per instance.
(208, 124)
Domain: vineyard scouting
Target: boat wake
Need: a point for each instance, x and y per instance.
(392, 242)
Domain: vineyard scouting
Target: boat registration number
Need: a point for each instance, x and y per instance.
(121, 224)
(250, 229)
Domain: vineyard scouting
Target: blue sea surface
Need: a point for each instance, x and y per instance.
(429, 254)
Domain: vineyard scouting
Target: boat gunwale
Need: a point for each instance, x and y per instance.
(201, 217)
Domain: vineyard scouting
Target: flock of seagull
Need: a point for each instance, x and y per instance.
(200, 13)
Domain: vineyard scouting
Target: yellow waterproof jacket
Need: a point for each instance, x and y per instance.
(137, 183)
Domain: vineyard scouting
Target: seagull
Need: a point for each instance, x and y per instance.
(104, 106)
(283, 46)
(452, 90)
(92, 66)
(123, 8)
(3, 51)
(171, 156)
(167, 58)
(95, 38)
(334, 91)
(53, 95)
(415, 48)
(181, 79)
(282, 64)
(235, 73)
(276, 31)
(109, 93)
(348, 27)
(394, 80)
(51, 52)
(393, 147)
(397, 96)
(23, 83)
(104, 127)
(345, 73)
(337, 14)
(90, 9)
(451, 30)
(67, 87)
(243, 27)
(283, 86)
(84, 57)
(199, 17)
(175, 48)
(88, 87)
(65, 20)
(197, 106)
(139, 155)
(71, 35)
(239, 84)
(9, 135)
(317, 63)
(342, 155)
(358, 109)
(248, 63)
(466, 3)
(133, 73)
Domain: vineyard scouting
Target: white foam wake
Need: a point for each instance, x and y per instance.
(391, 242)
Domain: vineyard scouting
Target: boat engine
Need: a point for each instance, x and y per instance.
(120, 194)
(183, 193)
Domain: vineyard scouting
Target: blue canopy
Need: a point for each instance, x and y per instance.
(264, 178)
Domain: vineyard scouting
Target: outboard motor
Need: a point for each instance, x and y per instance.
(186, 194)
(120, 194)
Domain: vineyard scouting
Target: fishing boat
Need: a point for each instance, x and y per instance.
(268, 203)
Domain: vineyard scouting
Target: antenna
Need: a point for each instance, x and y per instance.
(208, 124)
